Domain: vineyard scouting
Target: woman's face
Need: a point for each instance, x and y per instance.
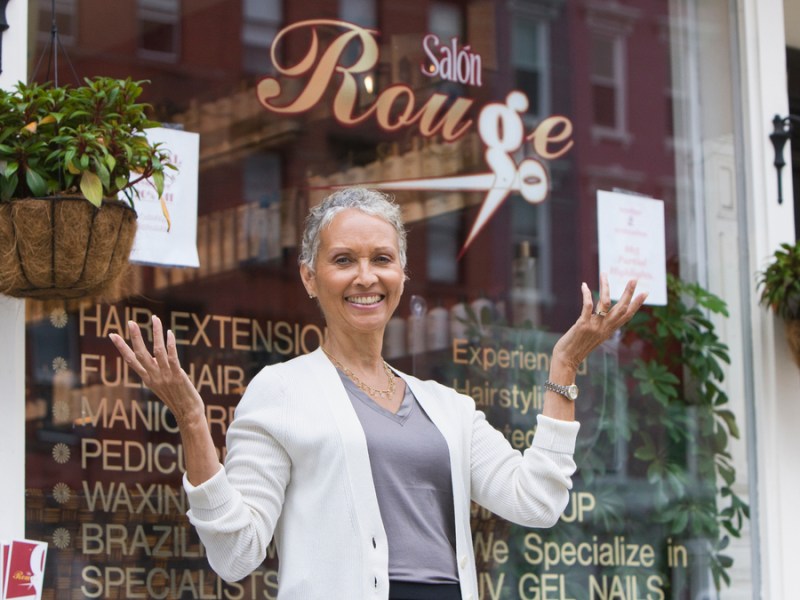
(358, 278)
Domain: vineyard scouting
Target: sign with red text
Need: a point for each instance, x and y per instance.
(631, 244)
(167, 226)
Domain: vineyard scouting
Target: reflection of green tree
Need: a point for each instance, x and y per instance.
(655, 452)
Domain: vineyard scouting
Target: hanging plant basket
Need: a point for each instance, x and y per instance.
(793, 337)
(63, 246)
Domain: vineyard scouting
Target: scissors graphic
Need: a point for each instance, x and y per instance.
(501, 129)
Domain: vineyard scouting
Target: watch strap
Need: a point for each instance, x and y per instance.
(570, 392)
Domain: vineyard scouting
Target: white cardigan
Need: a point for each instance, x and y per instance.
(297, 468)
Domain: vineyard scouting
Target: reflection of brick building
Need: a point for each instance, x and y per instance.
(622, 98)
(568, 58)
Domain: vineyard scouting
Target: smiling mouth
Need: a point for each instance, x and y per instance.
(365, 300)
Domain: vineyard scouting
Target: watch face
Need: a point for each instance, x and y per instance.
(572, 392)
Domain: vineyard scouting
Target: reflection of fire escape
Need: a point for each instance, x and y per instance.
(232, 126)
(423, 159)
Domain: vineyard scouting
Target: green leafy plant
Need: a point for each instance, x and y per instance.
(780, 282)
(689, 423)
(657, 405)
(85, 140)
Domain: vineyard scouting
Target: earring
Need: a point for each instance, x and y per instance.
(311, 296)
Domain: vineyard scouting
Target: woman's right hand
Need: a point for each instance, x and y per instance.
(162, 371)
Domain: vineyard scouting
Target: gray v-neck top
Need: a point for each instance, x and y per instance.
(410, 465)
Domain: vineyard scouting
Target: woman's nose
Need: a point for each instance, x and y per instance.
(366, 274)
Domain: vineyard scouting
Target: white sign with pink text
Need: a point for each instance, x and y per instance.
(167, 226)
(631, 244)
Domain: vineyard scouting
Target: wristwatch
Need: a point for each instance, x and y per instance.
(570, 392)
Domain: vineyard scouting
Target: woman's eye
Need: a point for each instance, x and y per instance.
(383, 259)
(341, 260)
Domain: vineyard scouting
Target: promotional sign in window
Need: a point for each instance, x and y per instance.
(630, 234)
(166, 231)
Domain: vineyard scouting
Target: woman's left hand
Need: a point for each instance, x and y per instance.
(596, 324)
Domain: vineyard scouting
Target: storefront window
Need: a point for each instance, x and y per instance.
(622, 97)
(607, 81)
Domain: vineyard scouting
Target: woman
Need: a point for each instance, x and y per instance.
(364, 474)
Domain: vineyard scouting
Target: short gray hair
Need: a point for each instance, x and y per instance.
(371, 202)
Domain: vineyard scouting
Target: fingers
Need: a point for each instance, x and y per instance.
(586, 308)
(604, 307)
(627, 294)
(159, 350)
(127, 354)
(613, 317)
(150, 367)
(636, 304)
(139, 349)
(172, 354)
(604, 303)
(628, 305)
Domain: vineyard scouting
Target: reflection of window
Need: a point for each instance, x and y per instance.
(66, 20)
(608, 82)
(444, 236)
(262, 178)
(529, 59)
(444, 20)
(365, 14)
(261, 20)
(610, 24)
(360, 12)
(259, 229)
(159, 22)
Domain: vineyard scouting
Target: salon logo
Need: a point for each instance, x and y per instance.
(451, 62)
(500, 124)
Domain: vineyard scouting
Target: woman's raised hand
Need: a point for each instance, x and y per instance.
(596, 324)
(161, 371)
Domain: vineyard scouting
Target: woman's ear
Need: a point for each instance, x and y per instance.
(309, 281)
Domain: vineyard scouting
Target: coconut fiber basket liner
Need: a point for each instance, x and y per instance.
(63, 246)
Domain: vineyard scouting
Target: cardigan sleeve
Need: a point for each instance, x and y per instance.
(236, 511)
(529, 488)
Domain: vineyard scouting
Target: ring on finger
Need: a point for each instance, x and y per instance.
(601, 313)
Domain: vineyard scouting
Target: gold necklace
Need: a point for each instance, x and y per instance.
(367, 389)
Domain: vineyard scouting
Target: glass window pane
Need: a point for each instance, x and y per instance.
(604, 105)
(261, 21)
(360, 12)
(603, 64)
(158, 26)
(444, 20)
(525, 48)
(497, 178)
